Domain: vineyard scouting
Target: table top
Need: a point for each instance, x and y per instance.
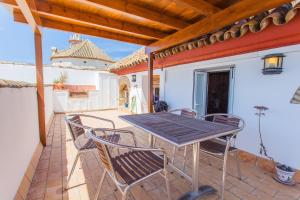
(177, 129)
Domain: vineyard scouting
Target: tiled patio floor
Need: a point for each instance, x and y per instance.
(59, 154)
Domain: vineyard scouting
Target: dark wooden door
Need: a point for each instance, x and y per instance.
(218, 92)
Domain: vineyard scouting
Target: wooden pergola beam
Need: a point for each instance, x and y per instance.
(150, 82)
(241, 10)
(40, 86)
(49, 23)
(56, 11)
(200, 6)
(32, 20)
(138, 11)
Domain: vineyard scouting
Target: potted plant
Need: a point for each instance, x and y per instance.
(58, 83)
(283, 173)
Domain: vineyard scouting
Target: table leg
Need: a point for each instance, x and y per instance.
(151, 140)
(195, 175)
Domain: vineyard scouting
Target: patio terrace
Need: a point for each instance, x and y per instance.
(58, 155)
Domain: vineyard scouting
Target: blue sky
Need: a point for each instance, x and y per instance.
(17, 44)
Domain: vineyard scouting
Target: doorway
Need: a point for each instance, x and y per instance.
(213, 91)
(217, 92)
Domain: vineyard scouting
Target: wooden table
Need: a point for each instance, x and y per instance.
(180, 131)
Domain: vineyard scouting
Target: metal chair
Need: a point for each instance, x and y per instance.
(129, 168)
(186, 112)
(81, 141)
(220, 147)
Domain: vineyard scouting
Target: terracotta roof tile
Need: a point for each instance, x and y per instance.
(137, 57)
(83, 49)
(14, 84)
(278, 16)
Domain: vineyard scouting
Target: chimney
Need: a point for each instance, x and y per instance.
(53, 51)
(75, 39)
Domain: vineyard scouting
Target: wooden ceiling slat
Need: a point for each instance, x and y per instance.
(44, 9)
(201, 6)
(138, 11)
(19, 17)
(230, 15)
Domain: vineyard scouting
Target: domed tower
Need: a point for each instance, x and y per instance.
(81, 53)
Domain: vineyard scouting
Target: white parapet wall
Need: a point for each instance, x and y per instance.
(105, 97)
(49, 108)
(26, 72)
(96, 100)
(19, 136)
(19, 132)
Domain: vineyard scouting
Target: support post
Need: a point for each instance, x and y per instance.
(40, 85)
(150, 82)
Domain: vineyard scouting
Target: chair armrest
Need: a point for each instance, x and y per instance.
(120, 131)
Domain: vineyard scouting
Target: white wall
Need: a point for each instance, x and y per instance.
(49, 110)
(19, 133)
(280, 126)
(100, 64)
(138, 89)
(20, 72)
(105, 97)
(109, 88)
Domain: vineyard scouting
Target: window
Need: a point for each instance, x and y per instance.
(79, 94)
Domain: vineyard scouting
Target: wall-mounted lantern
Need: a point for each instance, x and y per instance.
(133, 78)
(273, 63)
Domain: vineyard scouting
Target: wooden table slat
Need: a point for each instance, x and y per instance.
(178, 129)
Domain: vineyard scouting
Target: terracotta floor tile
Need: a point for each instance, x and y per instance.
(59, 154)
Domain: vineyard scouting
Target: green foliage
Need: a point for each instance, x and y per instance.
(62, 78)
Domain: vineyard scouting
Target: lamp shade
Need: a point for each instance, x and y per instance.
(296, 97)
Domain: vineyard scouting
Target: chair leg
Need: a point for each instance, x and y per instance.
(100, 185)
(238, 166)
(173, 154)
(73, 168)
(224, 170)
(184, 155)
(167, 184)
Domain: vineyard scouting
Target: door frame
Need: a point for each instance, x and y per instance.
(231, 69)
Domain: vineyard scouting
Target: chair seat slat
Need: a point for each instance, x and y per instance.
(131, 166)
(214, 147)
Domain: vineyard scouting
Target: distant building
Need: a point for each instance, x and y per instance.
(79, 76)
(81, 53)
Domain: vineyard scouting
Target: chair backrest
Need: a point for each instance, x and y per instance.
(104, 155)
(186, 112)
(232, 121)
(228, 119)
(75, 126)
(103, 146)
